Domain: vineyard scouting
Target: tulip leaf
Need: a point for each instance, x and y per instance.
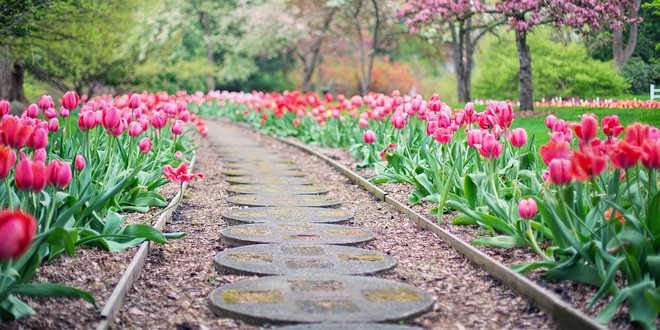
(470, 191)
(60, 237)
(504, 242)
(51, 290)
(14, 308)
(577, 272)
(524, 268)
(144, 231)
(113, 223)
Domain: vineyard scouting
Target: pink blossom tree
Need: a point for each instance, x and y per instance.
(583, 15)
(466, 21)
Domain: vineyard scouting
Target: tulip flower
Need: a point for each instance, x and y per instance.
(46, 102)
(53, 125)
(134, 101)
(58, 174)
(587, 164)
(40, 155)
(111, 118)
(625, 155)
(134, 129)
(637, 133)
(611, 126)
(550, 121)
(145, 145)
(70, 100)
(475, 137)
(17, 230)
(559, 171)
(87, 120)
(178, 127)
(158, 119)
(369, 137)
(587, 128)
(490, 148)
(527, 208)
(617, 216)
(30, 175)
(553, 150)
(64, 112)
(651, 154)
(50, 113)
(79, 163)
(180, 174)
(443, 135)
(13, 132)
(7, 160)
(4, 107)
(38, 139)
(518, 137)
(32, 111)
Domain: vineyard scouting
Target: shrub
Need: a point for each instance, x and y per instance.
(640, 75)
(558, 69)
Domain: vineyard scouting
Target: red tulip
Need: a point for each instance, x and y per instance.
(180, 174)
(70, 100)
(560, 171)
(178, 127)
(637, 133)
(58, 174)
(504, 114)
(46, 102)
(30, 175)
(625, 155)
(369, 137)
(518, 137)
(611, 126)
(490, 148)
(651, 154)
(587, 128)
(145, 145)
(527, 208)
(328, 97)
(17, 230)
(443, 135)
(587, 164)
(38, 139)
(7, 160)
(14, 132)
(134, 101)
(553, 150)
(79, 163)
(4, 107)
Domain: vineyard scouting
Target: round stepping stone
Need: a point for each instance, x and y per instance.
(255, 160)
(262, 172)
(295, 232)
(347, 326)
(276, 189)
(271, 179)
(321, 298)
(284, 200)
(286, 214)
(285, 259)
(261, 165)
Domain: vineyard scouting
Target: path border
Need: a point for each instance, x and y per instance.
(132, 272)
(563, 313)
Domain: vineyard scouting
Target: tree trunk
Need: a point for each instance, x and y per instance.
(210, 78)
(315, 50)
(525, 72)
(620, 52)
(460, 61)
(11, 76)
(374, 47)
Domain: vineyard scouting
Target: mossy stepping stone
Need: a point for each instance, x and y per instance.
(285, 259)
(321, 298)
(284, 200)
(270, 179)
(262, 172)
(295, 232)
(276, 189)
(285, 214)
(269, 160)
(347, 326)
(262, 165)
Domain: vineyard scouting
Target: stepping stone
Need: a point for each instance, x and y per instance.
(271, 179)
(286, 259)
(261, 165)
(233, 159)
(310, 233)
(284, 200)
(347, 326)
(322, 298)
(285, 214)
(262, 172)
(276, 189)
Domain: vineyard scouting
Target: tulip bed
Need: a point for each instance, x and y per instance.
(71, 176)
(588, 206)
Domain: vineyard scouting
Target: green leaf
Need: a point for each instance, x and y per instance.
(14, 308)
(524, 268)
(608, 283)
(99, 201)
(578, 272)
(61, 237)
(470, 191)
(504, 242)
(174, 235)
(52, 290)
(113, 223)
(463, 219)
(144, 231)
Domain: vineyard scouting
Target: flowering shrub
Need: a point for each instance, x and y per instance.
(68, 174)
(588, 207)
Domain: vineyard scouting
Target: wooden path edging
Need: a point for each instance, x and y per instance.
(132, 272)
(566, 316)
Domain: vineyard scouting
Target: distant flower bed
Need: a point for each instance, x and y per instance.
(588, 103)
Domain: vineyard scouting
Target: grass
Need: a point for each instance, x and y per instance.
(535, 124)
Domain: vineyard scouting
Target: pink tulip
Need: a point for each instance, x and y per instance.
(30, 175)
(39, 155)
(145, 145)
(7, 160)
(17, 230)
(53, 125)
(46, 102)
(70, 100)
(79, 163)
(64, 112)
(38, 139)
(560, 171)
(134, 101)
(4, 107)
(158, 119)
(58, 174)
(527, 208)
(134, 129)
(369, 137)
(50, 113)
(518, 137)
(443, 135)
(474, 137)
(550, 121)
(32, 111)
(111, 118)
(178, 127)
(490, 148)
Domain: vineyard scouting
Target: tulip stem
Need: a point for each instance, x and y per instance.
(535, 245)
(9, 194)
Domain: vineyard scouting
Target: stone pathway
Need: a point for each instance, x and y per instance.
(285, 223)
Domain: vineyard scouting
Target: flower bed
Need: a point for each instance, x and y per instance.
(584, 206)
(72, 176)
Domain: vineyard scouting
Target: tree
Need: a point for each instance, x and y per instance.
(523, 16)
(621, 50)
(467, 21)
